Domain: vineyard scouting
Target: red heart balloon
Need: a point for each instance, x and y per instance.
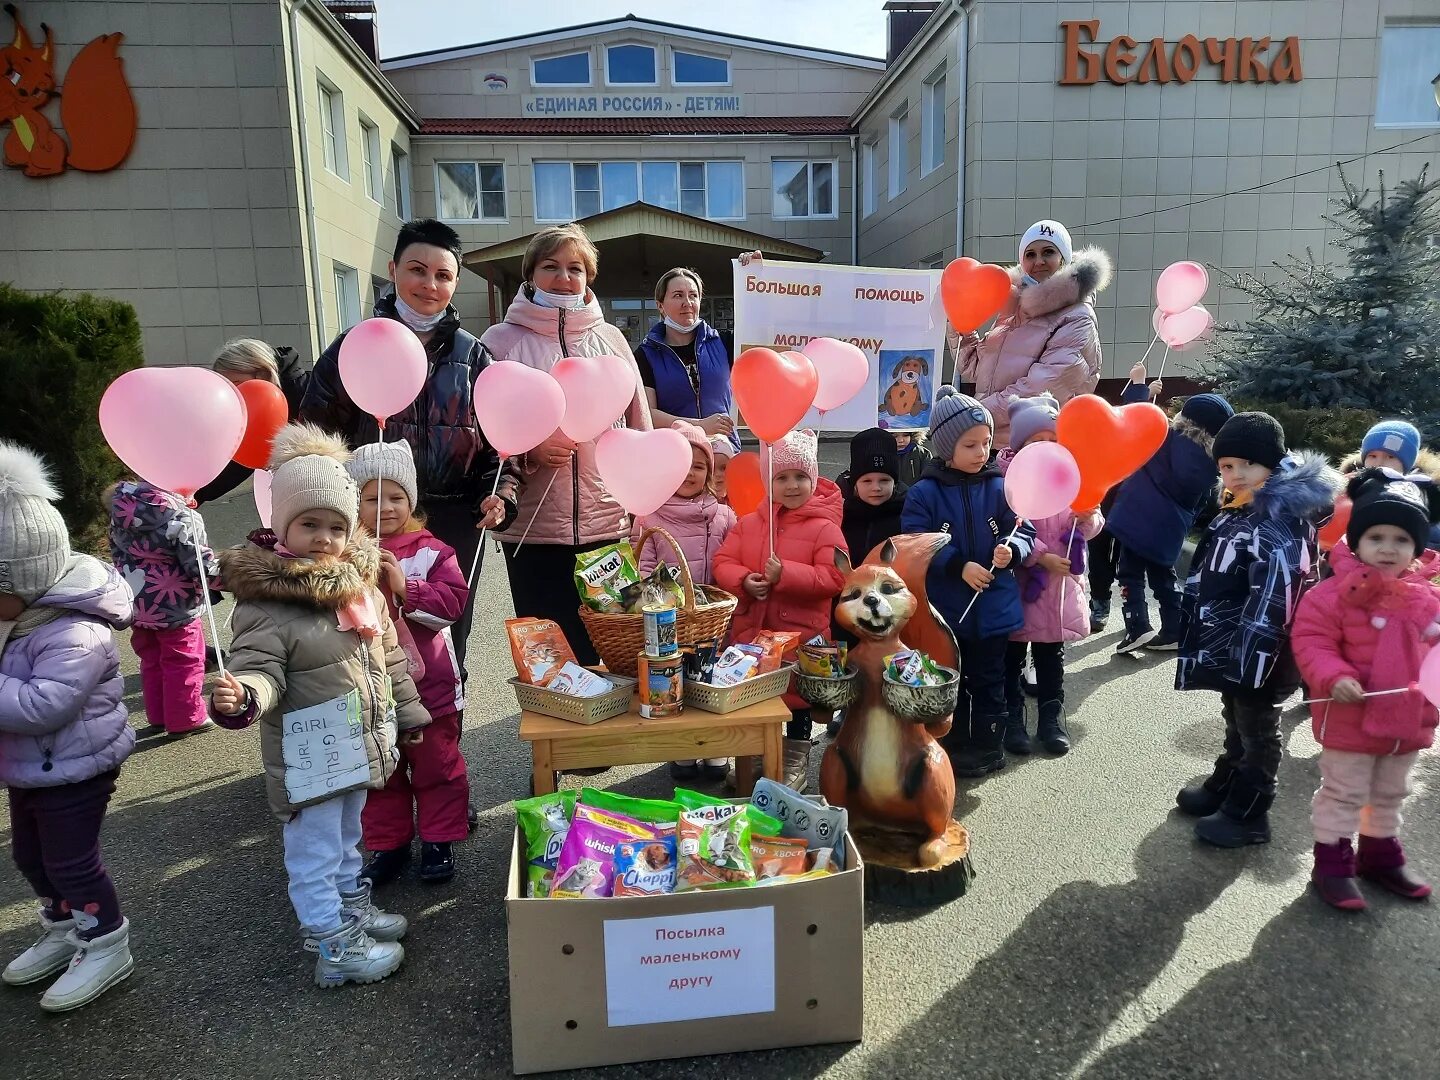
(744, 484)
(1334, 529)
(1108, 443)
(973, 292)
(773, 391)
(266, 412)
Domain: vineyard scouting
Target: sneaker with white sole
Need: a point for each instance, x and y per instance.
(98, 964)
(349, 954)
(1135, 641)
(52, 953)
(1164, 642)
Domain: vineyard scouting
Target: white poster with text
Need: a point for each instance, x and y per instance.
(688, 967)
(895, 317)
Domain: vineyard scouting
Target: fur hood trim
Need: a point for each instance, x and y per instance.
(1184, 426)
(1304, 486)
(1427, 462)
(1076, 282)
(254, 573)
(24, 474)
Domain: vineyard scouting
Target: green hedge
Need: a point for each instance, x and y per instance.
(1335, 432)
(58, 353)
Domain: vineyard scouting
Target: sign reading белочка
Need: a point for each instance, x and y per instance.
(584, 104)
(688, 967)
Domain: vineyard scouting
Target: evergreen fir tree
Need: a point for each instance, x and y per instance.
(1362, 334)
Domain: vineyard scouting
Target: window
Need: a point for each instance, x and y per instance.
(932, 132)
(378, 286)
(566, 191)
(693, 69)
(397, 188)
(470, 191)
(1409, 62)
(370, 146)
(933, 262)
(347, 296)
(867, 178)
(899, 148)
(572, 69)
(803, 189)
(630, 65)
(332, 130)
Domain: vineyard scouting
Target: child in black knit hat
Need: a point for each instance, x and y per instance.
(874, 494)
(1249, 570)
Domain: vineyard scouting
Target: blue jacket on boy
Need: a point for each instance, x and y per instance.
(1155, 508)
(971, 507)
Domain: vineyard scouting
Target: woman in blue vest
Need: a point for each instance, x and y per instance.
(684, 362)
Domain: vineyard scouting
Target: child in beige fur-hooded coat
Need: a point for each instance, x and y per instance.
(316, 661)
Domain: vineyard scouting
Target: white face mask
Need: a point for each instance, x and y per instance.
(414, 320)
(1028, 280)
(678, 328)
(564, 301)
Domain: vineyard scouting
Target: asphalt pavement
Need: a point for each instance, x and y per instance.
(1099, 939)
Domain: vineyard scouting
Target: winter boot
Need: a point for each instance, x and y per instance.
(437, 865)
(384, 867)
(1244, 816)
(50, 954)
(98, 964)
(715, 769)
(797, 764)
(1382, 860)
(1099, 614)
(1334, 876)
(1050, 731)
(356, 906)
(982, 754)
(1204, 798)
(349, 954)
(1138, 631)
(1017, 739)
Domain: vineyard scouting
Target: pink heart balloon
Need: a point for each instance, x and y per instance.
(175, 427)
(1181, 285)
(1042, 480)
(641, 469)
(1430, 677)
(1186, 327)
(262, 496)
(518, 407)
(598, 390)
(843, 371)
(383, 366)
(1156, 318)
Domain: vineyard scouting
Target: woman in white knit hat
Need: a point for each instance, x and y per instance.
(1046, 339)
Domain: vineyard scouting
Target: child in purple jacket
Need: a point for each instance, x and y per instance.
(153, 543)
(63, 735)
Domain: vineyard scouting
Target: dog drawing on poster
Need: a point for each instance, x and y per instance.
(905, 374)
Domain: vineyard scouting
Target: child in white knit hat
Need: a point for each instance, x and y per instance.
(425, 591)
(64, 732)
(315, 659)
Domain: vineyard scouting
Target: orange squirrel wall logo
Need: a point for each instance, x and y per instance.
(96, 107)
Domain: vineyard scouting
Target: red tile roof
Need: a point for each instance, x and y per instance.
(641, 125)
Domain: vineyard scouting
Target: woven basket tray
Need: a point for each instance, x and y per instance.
(620, 638)
(577, 710)
(726, 699)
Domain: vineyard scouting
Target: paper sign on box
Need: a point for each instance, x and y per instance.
(688, 967)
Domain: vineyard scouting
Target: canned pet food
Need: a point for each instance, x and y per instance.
(660, 640)
(662, 686)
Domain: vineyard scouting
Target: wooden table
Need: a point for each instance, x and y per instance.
(629, 739)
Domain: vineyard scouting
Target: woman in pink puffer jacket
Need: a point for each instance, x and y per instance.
(564, 508)
(1046, 338)
(1358, 635)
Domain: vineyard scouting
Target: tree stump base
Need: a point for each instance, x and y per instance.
(893, 876)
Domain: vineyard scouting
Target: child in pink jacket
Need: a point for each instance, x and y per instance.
(1357, 635)
(697, 520)
(426, 591)
(1054, 594)
(792, 589)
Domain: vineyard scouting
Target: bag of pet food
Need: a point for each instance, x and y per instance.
(659, 813)
(645, 867)
(713, 848)
(539, 649)
(661, 589)
(608, 578)
(778, 856)
(760, 822)
(544, 822)
(778, 647)
(817, 823)
(586, 868)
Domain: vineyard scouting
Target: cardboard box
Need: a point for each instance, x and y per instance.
(600, 982)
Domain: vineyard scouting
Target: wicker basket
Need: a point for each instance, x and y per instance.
(726, 699)
(922, 704)
(620, 638)
(825, 693)
(577, 710)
